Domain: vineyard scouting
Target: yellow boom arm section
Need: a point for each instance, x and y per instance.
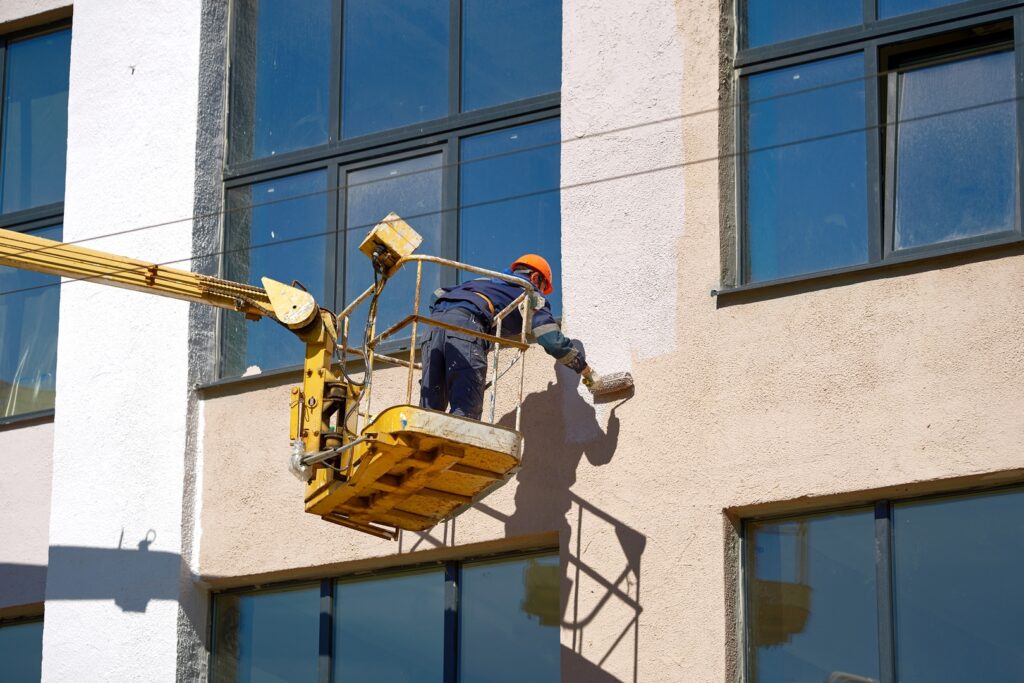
(290, 306)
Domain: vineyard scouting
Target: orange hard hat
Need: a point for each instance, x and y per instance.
(539, 264)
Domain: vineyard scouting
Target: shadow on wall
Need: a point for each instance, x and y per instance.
(131, 577)
(560, 429)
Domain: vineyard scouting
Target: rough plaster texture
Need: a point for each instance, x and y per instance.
(889, 386)
(26, 467)
(120, 434)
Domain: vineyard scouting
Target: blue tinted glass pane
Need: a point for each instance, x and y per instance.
(280, 72)
(510, 606)
(510, 50)
(892, 8)
(510, 201)
(811, 592)
(34, 146)
(773, 21)
(806, 169)
(28, 337)
(958, 590)
(390, 629)
(412, 189)
(956, 151)
(396, 64)
(21, 652)
(267, 637)
(275, 229)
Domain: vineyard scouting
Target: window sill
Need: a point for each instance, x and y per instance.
(26, 419)
(894, 266)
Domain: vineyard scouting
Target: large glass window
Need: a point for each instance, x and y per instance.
(895, 142)
(275, 229)
(396, 64)
(21, 650)
(280, 88)
(510, 199)
(445, 623)
(443, 111)
(33, 151)
(266, 636)
(922, 590)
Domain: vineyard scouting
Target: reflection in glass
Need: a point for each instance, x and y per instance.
(282, 236)
(510, 199)
(811, 597)
(28, 337)
(396, 64)
(21, 651)
(806, 192)
(773, 21)
(390, 629)
(35, 122)
(958, 590)
(510, 606)
(892, 8)
(266, 637)
(280, 77)
(412, 189)
(510, 50)
(956, 153)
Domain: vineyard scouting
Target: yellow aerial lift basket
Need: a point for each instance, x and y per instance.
(406, 467)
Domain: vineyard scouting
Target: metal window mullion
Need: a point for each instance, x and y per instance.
(1018, 47)
(3, 99)
(335, 89)
(332, 262)
(891, 128)
(870, 11)
(326, 632)
(451, 191)
(341, 230)
(455, 57)
(873, 139)
(742, 186)
(884, 592)
(453, 600)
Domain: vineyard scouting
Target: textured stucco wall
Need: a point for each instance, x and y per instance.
(25, 471)
(888, 386)
(115, 565)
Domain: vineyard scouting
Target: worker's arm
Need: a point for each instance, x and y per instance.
(548, 334)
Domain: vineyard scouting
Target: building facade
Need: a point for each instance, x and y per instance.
(796, 224)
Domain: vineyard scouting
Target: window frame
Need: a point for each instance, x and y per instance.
(884, 567)
(340, 155)
(43, 216)
(871, 39)
(452, 578)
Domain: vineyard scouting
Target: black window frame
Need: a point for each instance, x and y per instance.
(876, 39)
(340, 155)
(37, 217)
(453, 592)
(884, 567)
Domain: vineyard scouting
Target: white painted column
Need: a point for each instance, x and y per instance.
(115, 567)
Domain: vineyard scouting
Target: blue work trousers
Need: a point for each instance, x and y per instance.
(454, 365)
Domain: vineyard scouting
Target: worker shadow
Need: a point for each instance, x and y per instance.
(560, 431)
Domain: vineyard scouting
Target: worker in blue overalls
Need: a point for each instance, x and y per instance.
(455, 363)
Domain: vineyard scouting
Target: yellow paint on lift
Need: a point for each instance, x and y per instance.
(415, 468)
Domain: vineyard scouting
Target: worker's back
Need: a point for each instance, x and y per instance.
(490, 296)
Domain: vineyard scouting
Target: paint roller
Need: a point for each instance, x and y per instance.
(604, 385)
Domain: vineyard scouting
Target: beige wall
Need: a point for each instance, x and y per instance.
(886, 386)
(26, 471)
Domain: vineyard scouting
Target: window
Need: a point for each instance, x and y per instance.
(916, 590)
(875, 132)
(33, 149)
(21, 649)
(449, 623)
(445, 111)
